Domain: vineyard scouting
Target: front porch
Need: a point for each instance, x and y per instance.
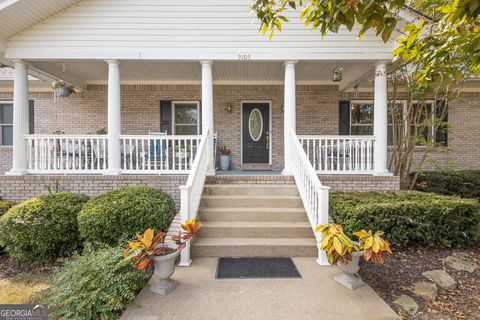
(144, 128)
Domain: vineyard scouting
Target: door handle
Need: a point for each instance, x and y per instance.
(268, 139)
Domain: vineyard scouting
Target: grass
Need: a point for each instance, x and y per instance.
(22, 288)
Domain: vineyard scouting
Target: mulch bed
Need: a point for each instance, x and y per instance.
(10, 268)
(404, 268)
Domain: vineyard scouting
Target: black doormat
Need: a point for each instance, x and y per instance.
(258, 267)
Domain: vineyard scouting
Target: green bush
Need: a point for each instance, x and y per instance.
(465, 184)
(409, 217)
(122, 213)
(43, 228)
(97, 285)
(5, 206)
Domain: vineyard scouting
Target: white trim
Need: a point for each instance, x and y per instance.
(185, 102)
(269, 102)
(215, 82)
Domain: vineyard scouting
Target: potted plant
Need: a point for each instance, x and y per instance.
(344, 252)
(225, 158)
(152, 249)
(62, 89)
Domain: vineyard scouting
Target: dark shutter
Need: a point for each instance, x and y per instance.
(31, 117)
(442, 131)
(166, 116)
(344, 118)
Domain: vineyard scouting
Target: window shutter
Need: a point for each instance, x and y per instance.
(344, 118)
(166, 116)
(442, 133)
(31, 117)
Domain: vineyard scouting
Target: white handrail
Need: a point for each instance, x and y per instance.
(339, 154)
(191, 192)
(314, 195)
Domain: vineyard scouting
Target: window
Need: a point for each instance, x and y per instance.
(185, 118)
(6, 123)
(361, 118)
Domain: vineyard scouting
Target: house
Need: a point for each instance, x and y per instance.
(170, 80)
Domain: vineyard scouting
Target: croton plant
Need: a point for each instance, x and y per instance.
(150, 244)
(338, 246)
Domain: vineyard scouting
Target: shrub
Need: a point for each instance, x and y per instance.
(465, 184)
(120, 214)
(97, 285)
(43, 228)
(409, 217)
(5, 206)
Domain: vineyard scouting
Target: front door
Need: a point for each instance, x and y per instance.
(256, 132)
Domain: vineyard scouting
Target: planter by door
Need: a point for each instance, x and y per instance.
(164, 269)
(349, 277)
(224, 163)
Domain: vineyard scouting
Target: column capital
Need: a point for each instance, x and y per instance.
(20, 61)
(290, 63)
(113, 61)
(380, 63)
(206, 63)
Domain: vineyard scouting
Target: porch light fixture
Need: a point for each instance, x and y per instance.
(228, 107)
(337, 74)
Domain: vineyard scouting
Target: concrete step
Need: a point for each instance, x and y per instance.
(251, 201)
(253, 214)
(250, 190)
(254, 247)
(246, 229)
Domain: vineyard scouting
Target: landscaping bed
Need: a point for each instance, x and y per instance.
(404, 268)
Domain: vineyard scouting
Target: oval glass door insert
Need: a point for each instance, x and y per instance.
(255, 124)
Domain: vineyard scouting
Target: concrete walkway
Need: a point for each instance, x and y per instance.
(315, 296)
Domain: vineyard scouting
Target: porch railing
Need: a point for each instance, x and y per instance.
(339, 154)
(158, 154)
(191, 192)
(88, 154)
(66, 153)
(314, 195)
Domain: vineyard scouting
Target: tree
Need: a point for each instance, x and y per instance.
(435, 56)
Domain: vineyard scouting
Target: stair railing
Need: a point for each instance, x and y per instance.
(191, 192)
(314, 195)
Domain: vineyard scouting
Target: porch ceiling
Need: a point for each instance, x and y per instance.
(314, 72)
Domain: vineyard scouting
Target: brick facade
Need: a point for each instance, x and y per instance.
(317, 113)
(19, 188)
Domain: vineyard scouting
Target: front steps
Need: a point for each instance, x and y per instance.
(253, 220)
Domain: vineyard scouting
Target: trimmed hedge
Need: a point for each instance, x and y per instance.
(5, 206)
(43, 228)
(409, 217)
(97, 285)
(465, 184)
(120, 214)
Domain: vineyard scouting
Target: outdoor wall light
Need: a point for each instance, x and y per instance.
(228, 107)
(337, 74)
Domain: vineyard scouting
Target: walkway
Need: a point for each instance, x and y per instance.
(316, 296)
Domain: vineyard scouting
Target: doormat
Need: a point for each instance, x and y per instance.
(256, 267)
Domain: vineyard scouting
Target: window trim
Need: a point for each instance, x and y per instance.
(197, 103)
(2, 125)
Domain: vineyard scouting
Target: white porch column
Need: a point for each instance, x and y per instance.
(20, 119)
(380, 121)
(289, 122)
(207, 110)
(114, 118)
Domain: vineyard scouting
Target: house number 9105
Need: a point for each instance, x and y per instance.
(244, 57)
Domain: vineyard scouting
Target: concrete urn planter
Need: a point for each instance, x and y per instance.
(349, 278)
(224, 163)
(164, 269)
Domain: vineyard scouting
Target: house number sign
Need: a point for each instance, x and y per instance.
(244, 57)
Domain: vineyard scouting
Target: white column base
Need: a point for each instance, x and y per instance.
(287, 172)
(383, 173)
(185, 260)
(322, 257)
(16, 172)
(112, 172)
(211, 172)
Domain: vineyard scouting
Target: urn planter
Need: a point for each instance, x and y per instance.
(349, 278)
(164, 269)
